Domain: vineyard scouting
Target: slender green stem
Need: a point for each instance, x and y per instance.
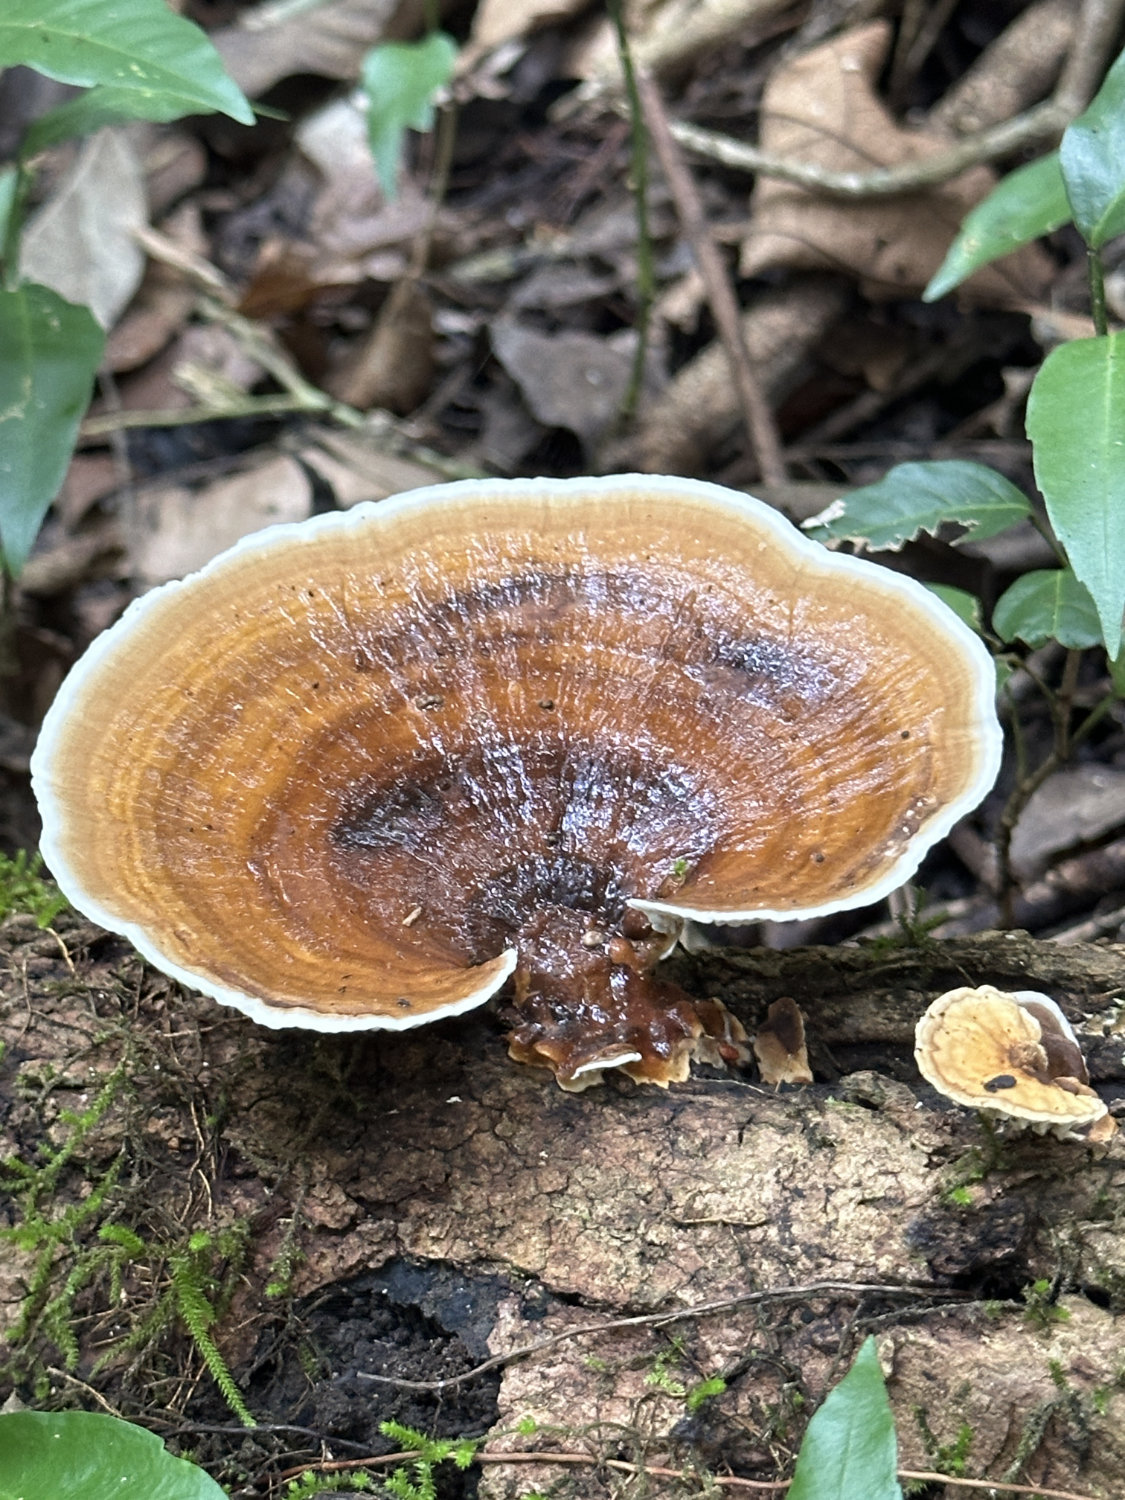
(1097, 291)
(646, 273)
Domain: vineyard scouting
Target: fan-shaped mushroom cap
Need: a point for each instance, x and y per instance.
(1010, 1054)
(356, 769)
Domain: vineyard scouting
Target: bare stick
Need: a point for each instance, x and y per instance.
(755, 408)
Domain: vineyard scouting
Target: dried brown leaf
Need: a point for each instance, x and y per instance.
(1079, 805)
(570, 380)
(81, 242)
(174, 530)
(269, 43)
(164, 302)
(356, 470)
(822, 107)
(394, 364)
(499, 21)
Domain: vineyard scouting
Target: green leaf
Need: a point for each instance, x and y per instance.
(49, 352)
(1048, 605)
(850, 1447)
(102, 106)
(1029, 202)
(964, 605)
(132, 47)
(923, 497)
(400, 80)
(9, 181)
(51, 1455)
(1076, 423)
(1092, 155)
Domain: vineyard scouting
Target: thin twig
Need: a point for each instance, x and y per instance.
(1044, 122)
(268, 1429)
(185, 416)
(659, 1320)
(583, 1460)
(656, 1471)
(995, 1485)
(755, 408)
(646, 272)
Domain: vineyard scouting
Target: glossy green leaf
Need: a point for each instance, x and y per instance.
(49, 353)
(401, 80)
(1028, 203)
(1047, 605)
(918, 497)
(1092, 155)
(135, 47)
(80, 1455)
(850, 1449)
(1076, 423)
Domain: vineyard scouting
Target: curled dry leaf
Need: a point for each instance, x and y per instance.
(780, 1047)
(821, 107)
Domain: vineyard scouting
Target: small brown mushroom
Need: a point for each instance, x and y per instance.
(780, 1046)
(360, 771)
(1014, 1056)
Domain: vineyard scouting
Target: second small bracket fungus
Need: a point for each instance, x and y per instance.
(1013, 1056)
(359, 772)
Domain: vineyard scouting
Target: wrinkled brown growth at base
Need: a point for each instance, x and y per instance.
(584, 1001)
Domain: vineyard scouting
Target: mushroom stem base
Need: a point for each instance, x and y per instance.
(581, 1009)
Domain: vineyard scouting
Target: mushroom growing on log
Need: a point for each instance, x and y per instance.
(358, 772)
(1012, 1055)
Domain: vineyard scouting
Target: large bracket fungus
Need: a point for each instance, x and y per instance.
(361, 771)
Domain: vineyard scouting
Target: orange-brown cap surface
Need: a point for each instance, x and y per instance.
(355, 771)
(1009, 1054)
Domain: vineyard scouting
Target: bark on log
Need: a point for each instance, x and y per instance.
(448, 1206)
